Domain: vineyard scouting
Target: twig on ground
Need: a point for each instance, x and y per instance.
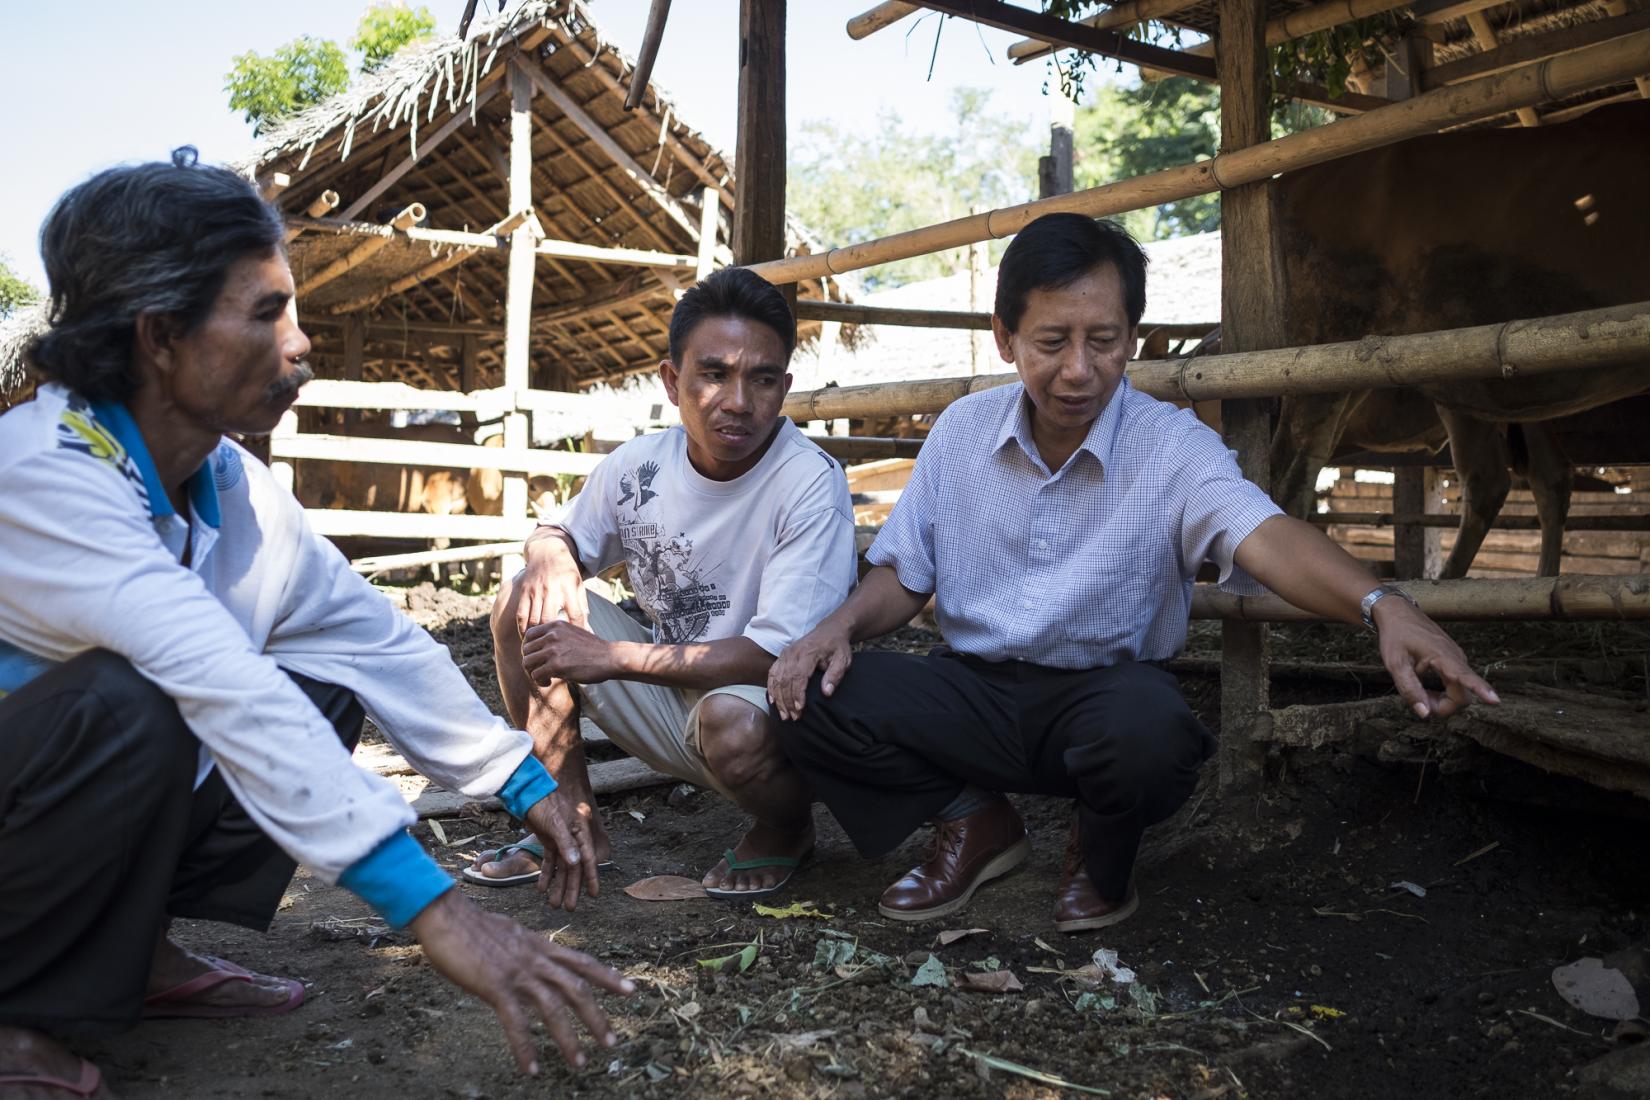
(1484, 851)
(1308, 1032)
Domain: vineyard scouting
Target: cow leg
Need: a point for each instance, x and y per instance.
(1309, 429)
(1551, 479)
(1480, 456)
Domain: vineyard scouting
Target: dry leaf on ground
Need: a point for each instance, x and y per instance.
(666, 888)
(994, 981)
(1597, 990)
(952, 935)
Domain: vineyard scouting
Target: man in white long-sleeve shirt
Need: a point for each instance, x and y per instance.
(184, 664)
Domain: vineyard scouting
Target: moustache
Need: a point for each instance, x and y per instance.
(285, 389)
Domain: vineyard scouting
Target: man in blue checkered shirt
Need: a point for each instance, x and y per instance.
(1059, 524)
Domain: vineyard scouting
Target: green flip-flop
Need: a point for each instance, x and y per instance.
(793, 863)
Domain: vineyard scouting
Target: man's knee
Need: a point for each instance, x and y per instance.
(737, 740)
(505, 610)
(1152, 737)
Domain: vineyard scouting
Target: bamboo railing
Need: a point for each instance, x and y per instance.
(1574, 597)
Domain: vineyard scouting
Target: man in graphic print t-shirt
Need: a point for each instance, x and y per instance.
(738, 537)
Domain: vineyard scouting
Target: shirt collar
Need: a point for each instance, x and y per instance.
(1098, 442)
(203, 490)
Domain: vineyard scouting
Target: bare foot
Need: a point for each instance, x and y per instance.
(29, 1052)
(173, 965)
(761, 842)
(518, 862)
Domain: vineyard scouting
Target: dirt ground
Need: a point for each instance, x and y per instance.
(1274, 955)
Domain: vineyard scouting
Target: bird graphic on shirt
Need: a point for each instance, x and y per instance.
(637, 486)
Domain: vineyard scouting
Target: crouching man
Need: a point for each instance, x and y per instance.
(184, 664)
(1059, 523)
(738, 536)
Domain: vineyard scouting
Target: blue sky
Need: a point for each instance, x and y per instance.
(100, 82)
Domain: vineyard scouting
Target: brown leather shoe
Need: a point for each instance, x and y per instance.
(968, 853)
(1079, 906)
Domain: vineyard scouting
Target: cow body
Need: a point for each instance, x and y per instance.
(1454, 230)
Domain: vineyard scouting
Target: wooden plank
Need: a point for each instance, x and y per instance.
(845, 312)
(867, 23)
(1253, 290)
(421, 149)
(759, 152)
(624, 257)
(339, 522)
(1079, 36)
(416, 452)
(608, 777)
(1526, 51)
(384, 563)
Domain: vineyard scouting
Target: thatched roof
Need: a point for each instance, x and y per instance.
(602, 177)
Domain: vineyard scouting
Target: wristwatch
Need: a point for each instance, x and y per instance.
(1366, 606)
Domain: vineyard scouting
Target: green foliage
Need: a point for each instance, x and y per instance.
(1130, 130)
(385, 28)
(850, 186)
(1330, 56)
(307, 70)
(298, 74)
(14, 289)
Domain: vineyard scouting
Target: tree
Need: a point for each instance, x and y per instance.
(307, 70)
(1130, 130)
(851, 187)
(15, 290)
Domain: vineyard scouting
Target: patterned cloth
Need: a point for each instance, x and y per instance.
(1082, 568)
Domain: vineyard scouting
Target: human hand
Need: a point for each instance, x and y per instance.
(571, 864)
(825, 647)
(551, 585)
(518, 973)
(562, 651)
(1412, 645)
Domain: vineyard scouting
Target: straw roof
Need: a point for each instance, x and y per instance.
(602, 176)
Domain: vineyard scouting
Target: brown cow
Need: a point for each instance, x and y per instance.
(1459, 229)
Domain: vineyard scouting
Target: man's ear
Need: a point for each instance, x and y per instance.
(671, 377)
(787, 383)
(1005, 338)
(154, 338)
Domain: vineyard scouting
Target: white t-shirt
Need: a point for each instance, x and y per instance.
(766, 555)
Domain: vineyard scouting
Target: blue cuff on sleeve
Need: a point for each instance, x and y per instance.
(398, 878)
(526, 785)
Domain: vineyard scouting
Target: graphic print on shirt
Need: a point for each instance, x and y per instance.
(78, 430)
(672, 583)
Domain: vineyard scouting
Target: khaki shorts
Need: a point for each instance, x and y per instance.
(657, 725)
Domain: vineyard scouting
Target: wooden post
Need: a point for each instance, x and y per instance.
(979, 341)
(1055, 171)
(1252, 296)
(518, 302)
(710, 210)
(759, 201)
(1409, 541)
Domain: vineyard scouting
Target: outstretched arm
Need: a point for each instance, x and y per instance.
(1300, 564)
(880, 604)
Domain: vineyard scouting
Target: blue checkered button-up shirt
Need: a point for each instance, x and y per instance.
(1080, 568)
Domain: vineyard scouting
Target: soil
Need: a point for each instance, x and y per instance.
(1274, 955)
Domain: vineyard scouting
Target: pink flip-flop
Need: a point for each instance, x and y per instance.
(90, 1080)
(179, 1001)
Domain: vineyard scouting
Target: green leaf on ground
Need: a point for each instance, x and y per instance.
(931, 973)
(1027, 1072)
(743, 957)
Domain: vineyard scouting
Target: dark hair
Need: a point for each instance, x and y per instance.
(144, 238)
(1058, 249)
(732, 292)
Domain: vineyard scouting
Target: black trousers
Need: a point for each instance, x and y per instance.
(903, 733)
(103, 837)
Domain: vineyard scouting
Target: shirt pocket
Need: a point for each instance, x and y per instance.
(1114, 597)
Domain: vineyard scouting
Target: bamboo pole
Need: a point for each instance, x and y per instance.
(1503, 522)
(435, 267)
(1484, 35)
(324, 204)
(1125, 14)
(1573, 341)
(359, 255)
(815, 309)
(1619, 7)
(867, 23)
(1606, 63)
(1497, 58)
(657, 13)
(1524, 599)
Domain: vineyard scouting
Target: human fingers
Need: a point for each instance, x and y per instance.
(547, 818)
(578, 606)
(569, 882)
(516, 1032)
(591, 969)
(836, 667)
(1408, 683)
(577, 996)
(553, 1011)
